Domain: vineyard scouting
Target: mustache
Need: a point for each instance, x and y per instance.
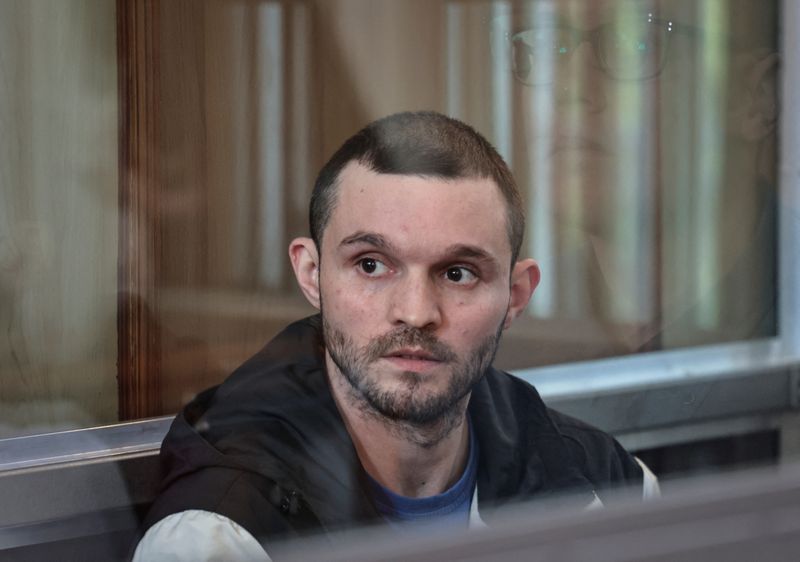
(409, 336)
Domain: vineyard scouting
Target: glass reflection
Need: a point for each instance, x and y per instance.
(645, 133)
(642, 132)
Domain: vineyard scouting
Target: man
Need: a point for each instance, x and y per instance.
(385, 408)
(648, 132)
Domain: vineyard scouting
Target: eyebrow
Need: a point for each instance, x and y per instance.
(370, 238)
(466, 251)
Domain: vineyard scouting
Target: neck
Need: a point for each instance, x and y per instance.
(409, 459)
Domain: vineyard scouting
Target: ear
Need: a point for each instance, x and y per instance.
(756, 116)
(305, 262)
(524, 278)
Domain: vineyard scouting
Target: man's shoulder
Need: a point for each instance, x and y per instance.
(284, 380)
(508, 387)
(607, 463)
(596, 454)
(602, 458)
(589, 437)
(299, 343)
(267, 446)
(578, 429)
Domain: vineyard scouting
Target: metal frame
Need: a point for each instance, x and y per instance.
(789, 204)
(82, 445)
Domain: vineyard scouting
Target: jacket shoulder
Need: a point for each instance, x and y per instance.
(554, 452)
(602, 459)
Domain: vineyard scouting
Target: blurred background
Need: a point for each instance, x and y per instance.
(156, 158)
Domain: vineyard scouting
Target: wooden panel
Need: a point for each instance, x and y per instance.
(377, 58)
(139, 242)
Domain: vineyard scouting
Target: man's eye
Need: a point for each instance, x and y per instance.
(460, 275)
(372, 267)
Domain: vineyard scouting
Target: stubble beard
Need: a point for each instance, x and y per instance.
(408, 406)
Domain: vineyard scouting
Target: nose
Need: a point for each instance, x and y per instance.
(415, 302)
(581, 81)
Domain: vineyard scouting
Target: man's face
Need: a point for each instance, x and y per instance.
(646, 126)
(598, 82)
(414, 288)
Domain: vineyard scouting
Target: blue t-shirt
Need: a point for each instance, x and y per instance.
(451, 507)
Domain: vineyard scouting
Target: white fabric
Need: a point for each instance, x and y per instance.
(475, 521)
(200, 536)
(650, 488)
(594, 504)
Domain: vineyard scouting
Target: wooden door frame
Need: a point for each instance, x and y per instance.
(138, 341)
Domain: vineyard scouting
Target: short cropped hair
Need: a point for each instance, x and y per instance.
(426, 144)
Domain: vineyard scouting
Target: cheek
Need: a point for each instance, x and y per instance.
(475, 320)
(343, 298)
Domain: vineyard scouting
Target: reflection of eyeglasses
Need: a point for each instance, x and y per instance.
(625, 50)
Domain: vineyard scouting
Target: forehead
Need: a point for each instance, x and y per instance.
(419, 213)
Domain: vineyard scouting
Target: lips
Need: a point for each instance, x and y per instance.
(413, 354)
(414, 360)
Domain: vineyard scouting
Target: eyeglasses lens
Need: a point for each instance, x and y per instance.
(624, 50)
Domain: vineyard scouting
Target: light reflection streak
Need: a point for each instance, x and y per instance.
(712, 101)
(540, 212)
(569, 90)
(241, 197)
(632, 236)
(501, 87)
(300, 151)
(270, 142)
(453, 58)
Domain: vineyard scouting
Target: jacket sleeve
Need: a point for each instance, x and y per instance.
(197, 535)
(258, 507)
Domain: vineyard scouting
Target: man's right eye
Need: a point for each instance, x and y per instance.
(372, 267)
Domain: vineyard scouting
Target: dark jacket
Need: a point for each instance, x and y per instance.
(269, 450)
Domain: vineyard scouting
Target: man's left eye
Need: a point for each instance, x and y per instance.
(460, 275)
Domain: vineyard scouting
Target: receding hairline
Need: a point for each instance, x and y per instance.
(350, 165)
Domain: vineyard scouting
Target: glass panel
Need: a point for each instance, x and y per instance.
(58, 215)
(642, 134)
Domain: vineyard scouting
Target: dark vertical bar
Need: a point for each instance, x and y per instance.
(138, 352)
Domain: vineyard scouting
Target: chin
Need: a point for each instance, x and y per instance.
(413, 404)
